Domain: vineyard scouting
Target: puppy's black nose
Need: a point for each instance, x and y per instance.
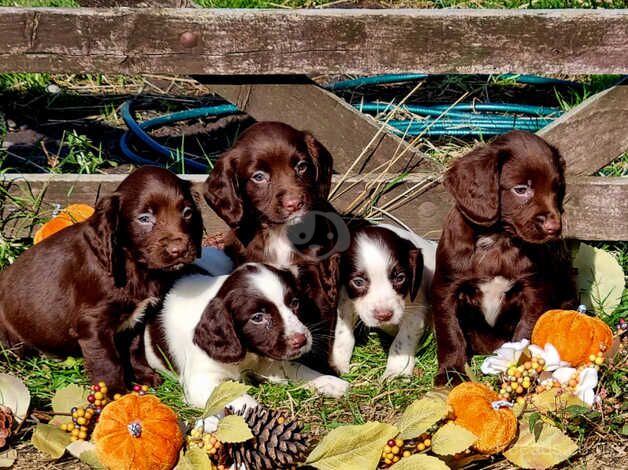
(298, 340)
(383, 315)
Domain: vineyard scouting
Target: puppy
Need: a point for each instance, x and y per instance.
(71, 293)
(499, 263)
(383, 266)
(272, 177)
(213, 329)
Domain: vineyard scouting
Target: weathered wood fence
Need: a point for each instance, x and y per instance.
(231, 49)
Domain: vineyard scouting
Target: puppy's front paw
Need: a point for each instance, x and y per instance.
(330, 386)
(245, 401)
(399, 366)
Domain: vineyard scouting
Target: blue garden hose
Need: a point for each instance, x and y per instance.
(458, 120)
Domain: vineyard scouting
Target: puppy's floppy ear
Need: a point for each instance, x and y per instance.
(473, 180)
(324, 164)
(221, 189)
(195, 191)
(415, 261)
(215, 333)
(103, 238)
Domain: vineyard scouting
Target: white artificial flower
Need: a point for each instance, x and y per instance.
(550, 356)
(504, 357)
(587, 381)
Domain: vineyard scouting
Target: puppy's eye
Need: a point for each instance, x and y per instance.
(400, 278)
(258, 317)
(358, 282)
(294, 303)
(187, 213)
(146, 218)
(522, 190)
(302, 167)
(259, 177)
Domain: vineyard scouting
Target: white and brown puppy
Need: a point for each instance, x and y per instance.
(383, 266)
(212, 329)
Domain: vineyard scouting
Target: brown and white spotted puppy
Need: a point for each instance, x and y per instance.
(213, 329)
(384, 266)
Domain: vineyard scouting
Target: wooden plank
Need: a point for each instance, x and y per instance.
(595, 207)
(344, 131)
(137, 3)
(222, 42)
(593, 134)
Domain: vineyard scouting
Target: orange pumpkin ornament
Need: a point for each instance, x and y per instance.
(575, 335)
(70, 215)
(472, 406)
(138, 433)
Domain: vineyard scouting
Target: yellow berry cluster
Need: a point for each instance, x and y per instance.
(519, 378)
(596, 359)
(205, 441)
(396, 449)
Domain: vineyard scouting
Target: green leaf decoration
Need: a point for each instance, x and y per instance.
(233, 428)
(420, 461)
(536, 424)
(551, 448)
(194, 459)
(14, 395)
(8, 458)
(600, 279)
(354, 447)
(50, 440)
(222, 395)
(421, 415)
(554, 400)
(470, 374)
(452, 439)
(90, 458)
(67, 398)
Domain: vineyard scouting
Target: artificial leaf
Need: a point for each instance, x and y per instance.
(422, 461)
(536, 424)
(554, 399)
(194, 459)
(600, 279)
(76, 448)
(50, 440)
(8, 458)
(421, 415)
(67, 398)
(222, 395)
(452, 439)
(14, 395)
(233, 428)
(354, 447)
(551, 448)
(89, 457)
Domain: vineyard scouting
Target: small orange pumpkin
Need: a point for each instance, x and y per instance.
(138, 433)
(472, 407)
(574, 335)
(70, 215)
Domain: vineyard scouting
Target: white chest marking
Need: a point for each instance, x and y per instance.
(279, 249)
(493, 293)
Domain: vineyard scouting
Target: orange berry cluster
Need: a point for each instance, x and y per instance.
(396, 449)
(518, 379)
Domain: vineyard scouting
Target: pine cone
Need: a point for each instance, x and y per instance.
(278, 442)
(6, 424)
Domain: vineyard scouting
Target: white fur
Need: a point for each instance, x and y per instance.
(493, 293)
(406, 325)
(279, 249)
(199, 373)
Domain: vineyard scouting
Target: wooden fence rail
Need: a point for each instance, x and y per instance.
(595, 208)
(203, 41)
